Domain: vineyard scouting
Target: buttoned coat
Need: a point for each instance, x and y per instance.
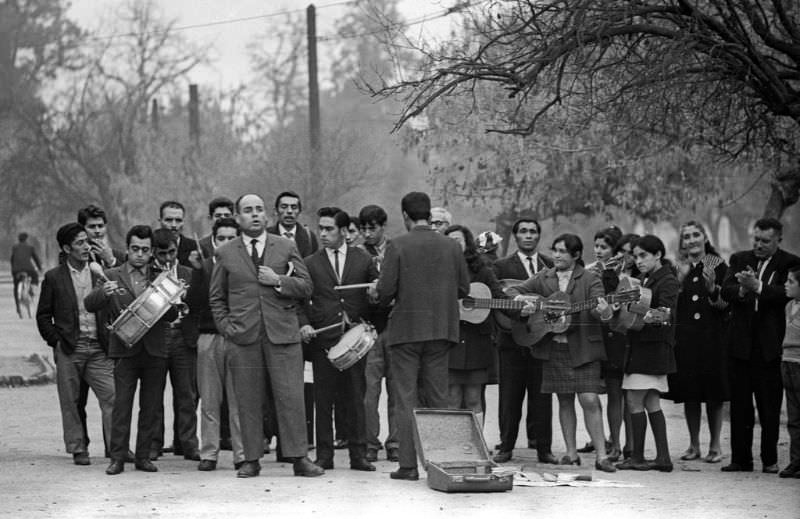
(242, 307)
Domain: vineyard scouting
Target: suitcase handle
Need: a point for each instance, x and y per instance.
(480, 477)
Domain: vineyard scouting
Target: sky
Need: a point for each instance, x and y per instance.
(230, 65)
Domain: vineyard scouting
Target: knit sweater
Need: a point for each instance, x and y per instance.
(791, 340)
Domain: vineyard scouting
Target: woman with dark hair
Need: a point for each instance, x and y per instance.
(651, 356)
(625, 248)
(472, 357)
(572, 359)
(700, 354)
(605, 245)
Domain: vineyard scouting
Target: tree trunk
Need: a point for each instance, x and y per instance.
(785, 192)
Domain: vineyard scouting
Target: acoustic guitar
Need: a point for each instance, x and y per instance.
(505, 322)
(475, 308)
(541, 323)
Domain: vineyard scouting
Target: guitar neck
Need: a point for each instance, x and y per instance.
(591, 303)
(498, 304)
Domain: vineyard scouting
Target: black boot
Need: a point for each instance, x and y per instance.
(358, 458)
(663, 462)
(639, 429)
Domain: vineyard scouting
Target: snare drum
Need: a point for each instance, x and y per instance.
(149, 307)
(353, 345)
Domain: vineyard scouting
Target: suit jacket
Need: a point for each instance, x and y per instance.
(24, 258)
(768, 324)
(206, 246)
(425, 273)
(652, 349)
(326, 305)
(511, 266)
(584, 336)
(57, 313)
(113, 306)
(305, 240)
(185, 246)
(242, 307)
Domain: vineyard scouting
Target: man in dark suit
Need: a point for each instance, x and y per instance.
(256, 286)
(143, 362)
(171, 215)
(753, 286)
(287, 209)
(425, 274)
(77, 337)
(219, 208)
(180, 342)
(519, 372)
(337, 264)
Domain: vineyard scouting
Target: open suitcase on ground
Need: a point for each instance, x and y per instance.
(452, 449)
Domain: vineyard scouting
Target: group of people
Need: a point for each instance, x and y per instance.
(262, 302)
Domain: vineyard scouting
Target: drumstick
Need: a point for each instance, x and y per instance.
(354, 285)
(199, 250)
(326, 328)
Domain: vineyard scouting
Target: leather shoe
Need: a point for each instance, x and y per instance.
(409, 474)
(154, 454)
(548, 457)
(237, 465)
(372, 454)
(502, 457)
(303, 467)
(661, 466)
(207, 465)
(632, 464)
(81, 458)
(791, 471)
(341, 444)
(770, 469)
(566, 460)
(589, 447)
(605, 465)
(736, 467)
(325, 464)
(115, 467)
(392, 454)
(249, 469)
(361, 464)
(193, 455)
(145, 465)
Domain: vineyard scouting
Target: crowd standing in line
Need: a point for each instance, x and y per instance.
(261, 308)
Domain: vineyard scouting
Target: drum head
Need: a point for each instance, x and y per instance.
(347, 341)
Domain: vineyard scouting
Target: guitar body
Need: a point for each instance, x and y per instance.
(541, 323)
(631, 316)
(471, 313)
(505, 322)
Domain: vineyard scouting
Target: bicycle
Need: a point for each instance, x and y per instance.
(23, 292)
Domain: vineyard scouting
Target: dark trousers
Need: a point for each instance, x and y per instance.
(749, 378)
(182, 371)
(129, 371)
(352, 384)
(519, 374)
(428, 361)
(791, 382)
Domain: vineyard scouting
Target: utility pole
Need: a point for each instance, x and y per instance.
(313, 91)
(194, 115)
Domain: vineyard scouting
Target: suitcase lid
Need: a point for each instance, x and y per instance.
(449, 435)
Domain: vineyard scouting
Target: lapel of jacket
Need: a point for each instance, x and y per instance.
(577, 272)
(771, 267)
(301, 239)
(349, 259)
(65, 278)
(518, 269)
(551, 280)
(540, 264)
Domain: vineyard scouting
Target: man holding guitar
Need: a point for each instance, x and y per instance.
(519, 372)
(572, 354)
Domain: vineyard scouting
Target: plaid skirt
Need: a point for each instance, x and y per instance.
(558, 375)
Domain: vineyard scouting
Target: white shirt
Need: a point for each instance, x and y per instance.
(524, 259)
(332, 258)
(283, 230)
(261, 242)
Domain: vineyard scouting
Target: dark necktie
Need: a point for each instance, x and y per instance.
(289, 235)
(758, 269)
(531, 266)
(254, 253)
(336, 265)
